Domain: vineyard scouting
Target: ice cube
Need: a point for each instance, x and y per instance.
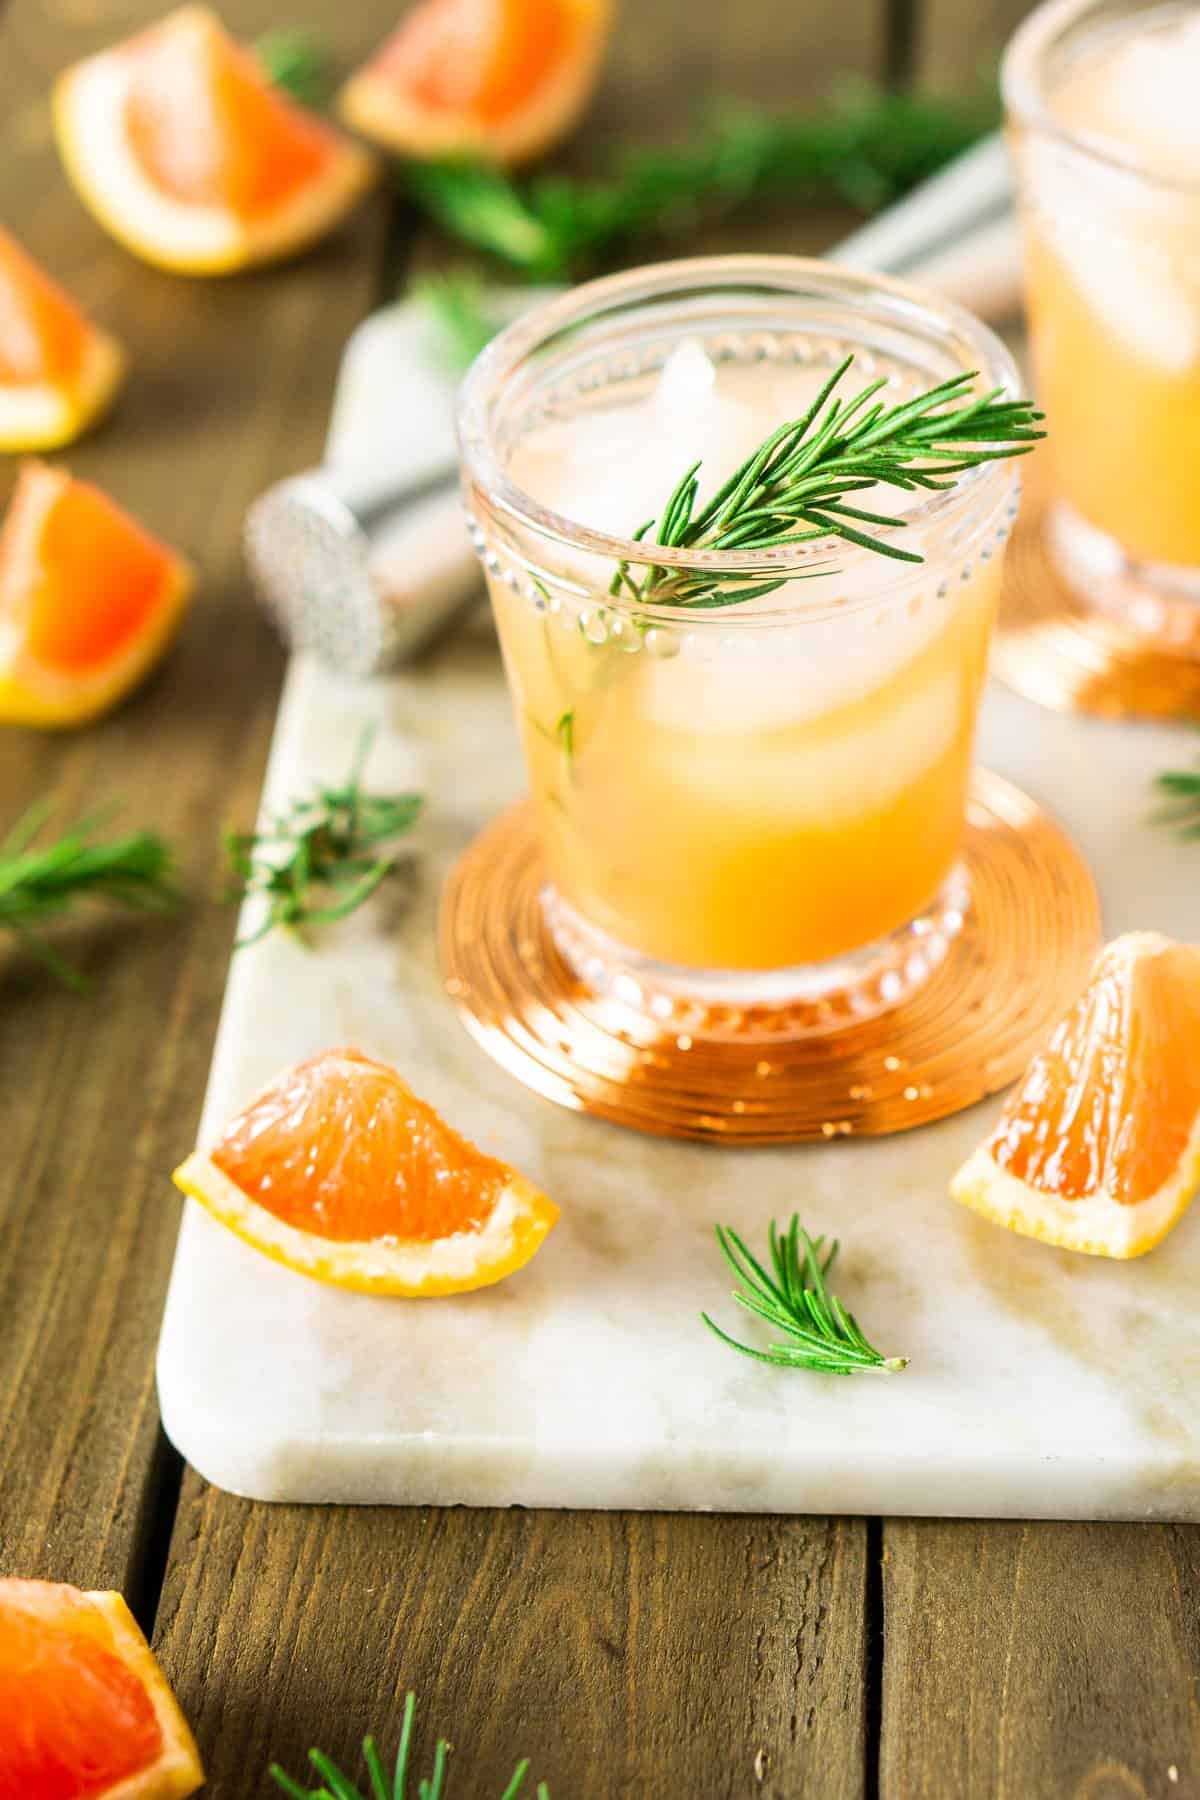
(685, 386)
(824, 777)
(1129, 251)
(1140, 92)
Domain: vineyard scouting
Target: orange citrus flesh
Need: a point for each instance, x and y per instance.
(1099, 1146)
(183, 149)
(1110, 1104)
(483, 58)
(103, 579)
(84, 1709)
(210, 130)
(88, 599)
(362, 1158)
(504, 79)
(43, 334)
(57, 371)
(339, 1171)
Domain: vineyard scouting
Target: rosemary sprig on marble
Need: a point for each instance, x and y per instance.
(322, 856)
(1180, 790)
(39, 882)
(338, 1786)
(794, 488)
(793, 1298)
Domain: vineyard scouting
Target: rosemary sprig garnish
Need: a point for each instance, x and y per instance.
(318, 860)
(866, 149)
(39, 883)
(338, 1786)
(1180, 789)
(794, 488)
(298, 60)
(454, 304)
(793, 1297)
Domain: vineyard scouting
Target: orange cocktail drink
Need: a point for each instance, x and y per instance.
(1102, 101)
(762, 800)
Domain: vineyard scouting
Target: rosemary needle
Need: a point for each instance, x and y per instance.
(454, 302)
(795, 487)
(336, 1785)
(322, 856)
(298, 61)
(867, 148)
(1180, 789)
(41, 882)
(793, 1298)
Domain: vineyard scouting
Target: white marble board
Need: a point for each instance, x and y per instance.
(1041, 1384)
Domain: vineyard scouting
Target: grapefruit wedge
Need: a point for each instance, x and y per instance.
(88, 601)
(340, 1172)
(503, 80)
(58, 371)
(85, 1710)
(183, 150)
(1098, 1149)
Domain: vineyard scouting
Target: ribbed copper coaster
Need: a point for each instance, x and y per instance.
(1054, 649)
(1021, 958)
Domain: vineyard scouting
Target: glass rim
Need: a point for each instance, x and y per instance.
(901, 303)
(1023, 88)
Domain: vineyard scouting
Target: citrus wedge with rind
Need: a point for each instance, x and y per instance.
(340, 1172)
(1098, 1148)
(501, 80)
(89, 601)
(180, 146)
(58, 371)
(85, 1711)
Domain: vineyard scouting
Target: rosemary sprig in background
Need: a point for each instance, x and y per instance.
(338, 1786)
(1180, 791)
(455, 303)
(41, 882)
(320, 858)
(794, 487)
(818, 1332)
(866, 149)
(297, 60)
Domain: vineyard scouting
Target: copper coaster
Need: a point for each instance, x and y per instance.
(1054, 649)
(1021, 958)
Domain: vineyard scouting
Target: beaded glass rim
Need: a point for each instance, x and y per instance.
(1024, 86)
(896, 304)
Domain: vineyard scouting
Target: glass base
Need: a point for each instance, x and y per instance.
(811, 999)
(1158, 600)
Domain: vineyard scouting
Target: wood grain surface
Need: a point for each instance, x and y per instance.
(624, 1654)
(627, 1655)
(99, 1095)
(1040, 1662)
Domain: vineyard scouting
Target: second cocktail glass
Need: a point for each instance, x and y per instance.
(1102, 104)
(759, 805)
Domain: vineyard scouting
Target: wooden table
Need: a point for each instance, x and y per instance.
(652, 1655)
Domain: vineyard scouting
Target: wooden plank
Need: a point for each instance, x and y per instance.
(99, 1095)
(636, 1654)
(953, 51)
(672, 60)
(1029, 1662)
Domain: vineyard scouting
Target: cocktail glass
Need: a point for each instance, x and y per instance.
(1111, 211)
(756, 810)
